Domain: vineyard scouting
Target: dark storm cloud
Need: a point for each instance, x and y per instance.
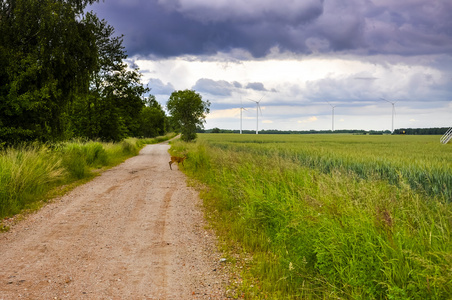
(411, 27)
(178, 27)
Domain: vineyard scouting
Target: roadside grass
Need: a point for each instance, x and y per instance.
(32, 174)
(26, 173)
(316, 234)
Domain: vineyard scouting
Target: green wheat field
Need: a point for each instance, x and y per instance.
(329, 216)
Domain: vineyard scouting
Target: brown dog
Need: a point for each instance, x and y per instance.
(177, 159)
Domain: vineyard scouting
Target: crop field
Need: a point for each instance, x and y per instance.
(330, 216)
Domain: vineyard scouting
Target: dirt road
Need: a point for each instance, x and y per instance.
(135, 232)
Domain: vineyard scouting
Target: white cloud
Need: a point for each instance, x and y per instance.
(224, 114)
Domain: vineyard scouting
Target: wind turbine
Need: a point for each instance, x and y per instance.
(393, 111)
(332, 116)
(258, 108)
(241, 109)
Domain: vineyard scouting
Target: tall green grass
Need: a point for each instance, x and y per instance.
(25, 174)
(315, 234)
(28, 173)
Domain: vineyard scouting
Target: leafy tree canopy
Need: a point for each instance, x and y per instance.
(188, 111)
(152, 119)
(62, 75)
(47, 52)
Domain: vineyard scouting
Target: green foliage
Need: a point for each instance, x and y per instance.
(112, 109)
(129, 148)
(188, 111)
(78, 158)
(62, 75)
(46, 54)
(327, 232)
(25, 173)
(74, 161)
(152, 119)
(429, 131)
(96, 155)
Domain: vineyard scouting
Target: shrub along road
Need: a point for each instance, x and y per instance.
(135, 232)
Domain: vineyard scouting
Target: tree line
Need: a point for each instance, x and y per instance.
(63, 76)
(422, 131)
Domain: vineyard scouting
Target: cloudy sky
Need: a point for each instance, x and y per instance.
(301, 58)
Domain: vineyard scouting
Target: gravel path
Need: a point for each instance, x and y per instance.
(135, 232)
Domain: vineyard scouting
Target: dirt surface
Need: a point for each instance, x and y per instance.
(135, 232)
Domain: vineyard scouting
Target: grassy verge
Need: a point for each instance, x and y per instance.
(313, 234)
(420, 161)
(31, 174)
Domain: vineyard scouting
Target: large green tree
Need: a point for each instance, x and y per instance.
(46, 56)
(112, 108)
(188, 111)
(62, 74)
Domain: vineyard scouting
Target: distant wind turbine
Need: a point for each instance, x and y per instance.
(393, 111)
(258, 108)
(332, 116)
(241, 109)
